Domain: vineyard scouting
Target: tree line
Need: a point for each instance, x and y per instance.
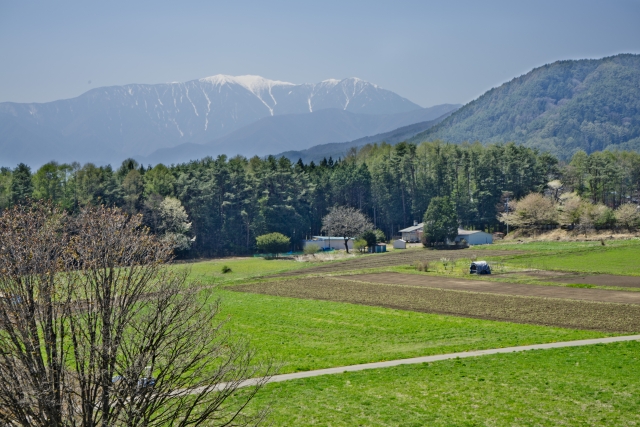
(225, 203)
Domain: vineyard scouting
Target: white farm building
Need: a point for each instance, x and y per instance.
(328, 242)
(412, 234)
(474, 237)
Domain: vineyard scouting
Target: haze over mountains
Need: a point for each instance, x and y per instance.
(341, 149)
(109, 124)
(274, 134)
(561, 107)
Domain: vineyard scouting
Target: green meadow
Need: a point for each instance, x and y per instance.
(621, 259)
(591, 386)
(581, 386)
(309, 334)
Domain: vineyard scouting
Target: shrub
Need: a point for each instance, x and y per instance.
(380, 236)
(311, 249)
(226, 269)
(422, 265)
(273, 243)
(360, 244)
(369, 237)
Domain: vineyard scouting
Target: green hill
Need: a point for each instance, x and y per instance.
(562, 107)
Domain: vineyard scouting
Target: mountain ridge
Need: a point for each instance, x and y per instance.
(562, 107)
(337, 150)
(271, 135)
(110, 123)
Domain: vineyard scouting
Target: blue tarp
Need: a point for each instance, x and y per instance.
(479, 267)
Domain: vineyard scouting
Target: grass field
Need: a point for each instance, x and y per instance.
(543, 246)
(580, 386)
(210, 272)
(308, 334)
(532, 310)
(320, 328)
(621, 260)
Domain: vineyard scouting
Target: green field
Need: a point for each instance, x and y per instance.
(555, 246)
(210, 272)
(621, 260)
(309, 334)
(595, 385)
(580, 386)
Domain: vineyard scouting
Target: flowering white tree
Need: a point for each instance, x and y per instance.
(345, 222)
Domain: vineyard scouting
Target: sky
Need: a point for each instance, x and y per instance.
(429, 52)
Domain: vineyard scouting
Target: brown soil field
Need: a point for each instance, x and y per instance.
(398, 257)
(537, 274)
(601, 280)
(578, 314)
(458, 284)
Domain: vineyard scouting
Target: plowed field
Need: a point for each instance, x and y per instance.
(568, 313)
(458, 284)
(602, 280)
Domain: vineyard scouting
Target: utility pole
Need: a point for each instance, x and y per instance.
(506, 209)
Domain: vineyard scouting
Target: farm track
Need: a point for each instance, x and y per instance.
(601, 280)
(394, 259)
(458, 284)
(567, 313)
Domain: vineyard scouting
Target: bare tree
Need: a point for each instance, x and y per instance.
(345, 222)
(95, 329)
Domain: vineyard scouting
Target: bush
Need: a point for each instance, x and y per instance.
(311, 249)
(422, 265)
(369, 237)
(226, 269)
(360, 244)
(273, 243)
(380, 237)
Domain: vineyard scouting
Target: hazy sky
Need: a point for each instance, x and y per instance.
(428, 52)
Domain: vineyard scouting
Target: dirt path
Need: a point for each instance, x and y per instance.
(601, 280)
(397, 257)
(457, 284)
(417, 360)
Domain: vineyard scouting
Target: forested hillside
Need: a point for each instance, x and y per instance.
(231, 201)
(561, 108)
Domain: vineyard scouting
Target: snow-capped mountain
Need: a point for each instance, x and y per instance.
(109, 124)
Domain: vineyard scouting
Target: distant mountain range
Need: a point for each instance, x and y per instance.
(562, 107)
(109, 124)
(290, 132)
(339, 150)
(559, 108)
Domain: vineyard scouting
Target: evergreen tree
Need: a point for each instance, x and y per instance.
(21, 184)
(440, 221)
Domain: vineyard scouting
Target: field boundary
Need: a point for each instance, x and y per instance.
(423, 359)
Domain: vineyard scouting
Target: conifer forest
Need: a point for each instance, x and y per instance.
(230, 201)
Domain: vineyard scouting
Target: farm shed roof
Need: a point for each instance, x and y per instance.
(412, 228)
(462, 232)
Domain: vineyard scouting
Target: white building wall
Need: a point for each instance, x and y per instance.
(337, 244)
(479, 238)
